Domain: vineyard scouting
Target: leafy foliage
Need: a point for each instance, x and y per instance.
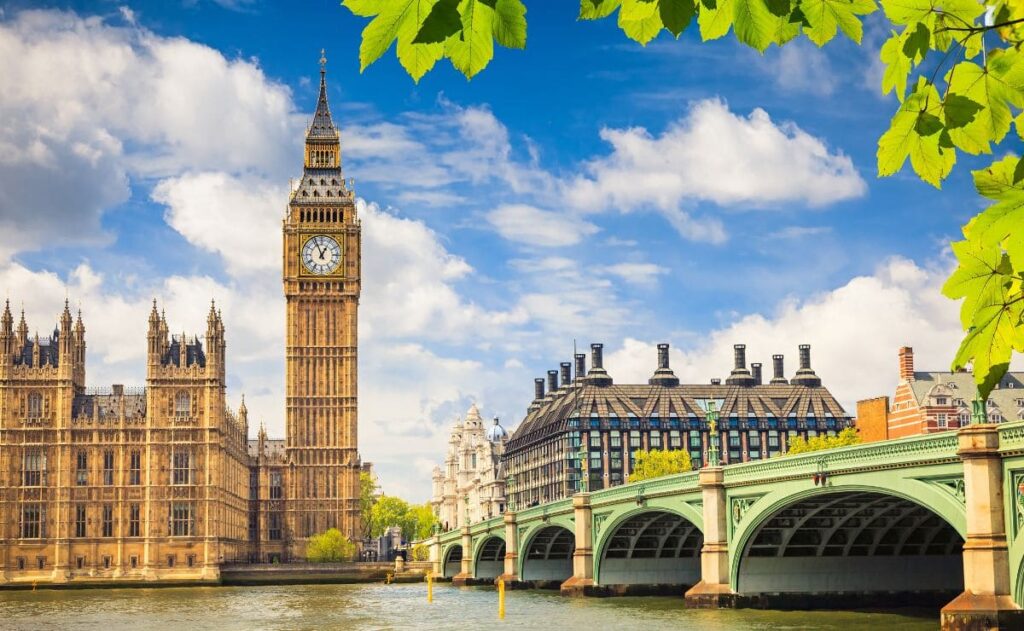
(966, 94)
(801, 445)
(330, 547)
(424, 31)
(367, 498)
(659, 462)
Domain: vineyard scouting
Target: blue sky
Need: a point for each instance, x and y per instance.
(585, 188)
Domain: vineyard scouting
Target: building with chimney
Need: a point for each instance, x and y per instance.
(127, 484)
(935, 401)
(613, 422)
(471, 486)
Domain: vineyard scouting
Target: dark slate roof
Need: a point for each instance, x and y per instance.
(622, 403)
(107, 405)
(49, 352)
(322, 125)
(1007, 398)
(322, 185)
(193, 353)
(275, 450)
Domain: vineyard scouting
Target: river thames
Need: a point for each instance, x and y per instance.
(378, 606)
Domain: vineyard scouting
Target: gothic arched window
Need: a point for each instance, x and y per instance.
(182, 404)
(35, 405)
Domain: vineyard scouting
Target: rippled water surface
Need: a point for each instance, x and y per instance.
(380, 606)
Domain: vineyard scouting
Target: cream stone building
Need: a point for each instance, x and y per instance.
(161, 482)
(118, 483)
(471, 487)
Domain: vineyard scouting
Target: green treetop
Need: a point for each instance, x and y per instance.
(659, 462)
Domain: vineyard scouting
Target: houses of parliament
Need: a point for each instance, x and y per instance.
(161, 482)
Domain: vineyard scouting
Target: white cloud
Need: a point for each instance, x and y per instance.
(638, 273)
(713, 155)
(237, 218)
(854, 330)
(127, 103)
(534, 226)
(802, 67)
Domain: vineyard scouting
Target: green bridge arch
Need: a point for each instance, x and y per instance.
(607, 523)
(926, 494)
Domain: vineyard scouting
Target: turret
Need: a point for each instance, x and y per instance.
(6, 333)
(65, 335)
(214, 340)
(22, 336)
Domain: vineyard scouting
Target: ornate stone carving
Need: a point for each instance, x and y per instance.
(739, 507)
(599, 519)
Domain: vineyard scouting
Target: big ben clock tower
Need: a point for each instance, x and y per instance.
(321, 286)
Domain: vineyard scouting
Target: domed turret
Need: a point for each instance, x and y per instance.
(496, 433)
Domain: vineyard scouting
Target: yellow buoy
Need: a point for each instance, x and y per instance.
(501, 600)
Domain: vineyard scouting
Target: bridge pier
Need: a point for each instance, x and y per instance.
(436, 561)
(510, 575)
(986, 602)
(583, 556)
(466, 568)
(713, 590)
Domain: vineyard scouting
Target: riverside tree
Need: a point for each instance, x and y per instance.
(953, 68)
(330, 547)
(801, 445)
(659, 462)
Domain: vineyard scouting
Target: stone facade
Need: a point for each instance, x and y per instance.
(614, 422)
(472, 484)
(129, 484)
(935, 401)
(321, 274)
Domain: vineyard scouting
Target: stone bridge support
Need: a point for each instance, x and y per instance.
(986, 602)
(583, 557)
(511, 550)
(466, 572)
(713, 589)
(436, 560)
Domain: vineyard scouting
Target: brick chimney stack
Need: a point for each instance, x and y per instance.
(906, 363)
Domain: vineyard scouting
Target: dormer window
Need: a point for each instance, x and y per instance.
(941, 401)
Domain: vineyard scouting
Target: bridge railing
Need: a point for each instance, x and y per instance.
(649, 488)
(1011, 437)
(939, 447)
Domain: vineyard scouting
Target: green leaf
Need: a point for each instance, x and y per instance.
(676, 14)
(714, 18)
(363, 8)
(930, 154)
(1002, 224)
(959, 110)
(910, 11)
(827, 16)
(442, 22)
(382, 31)
(754, 24)
(897, 66)
(474, 50)
(979, 278)
(915, 42)
(996, 89)
(994, 334)
(595, 10)
(640, 21)
(510, 23)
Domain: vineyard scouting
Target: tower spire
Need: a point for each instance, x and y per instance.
(322, 127)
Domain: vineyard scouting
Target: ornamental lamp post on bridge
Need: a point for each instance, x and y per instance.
(979, 410)
(584, 482)
(510, 498)
(712, 415)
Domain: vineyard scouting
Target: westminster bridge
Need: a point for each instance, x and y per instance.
(935, 518)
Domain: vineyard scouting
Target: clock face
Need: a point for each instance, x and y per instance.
(321, 255)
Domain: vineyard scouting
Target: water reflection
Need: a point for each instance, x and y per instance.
(301, 607)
